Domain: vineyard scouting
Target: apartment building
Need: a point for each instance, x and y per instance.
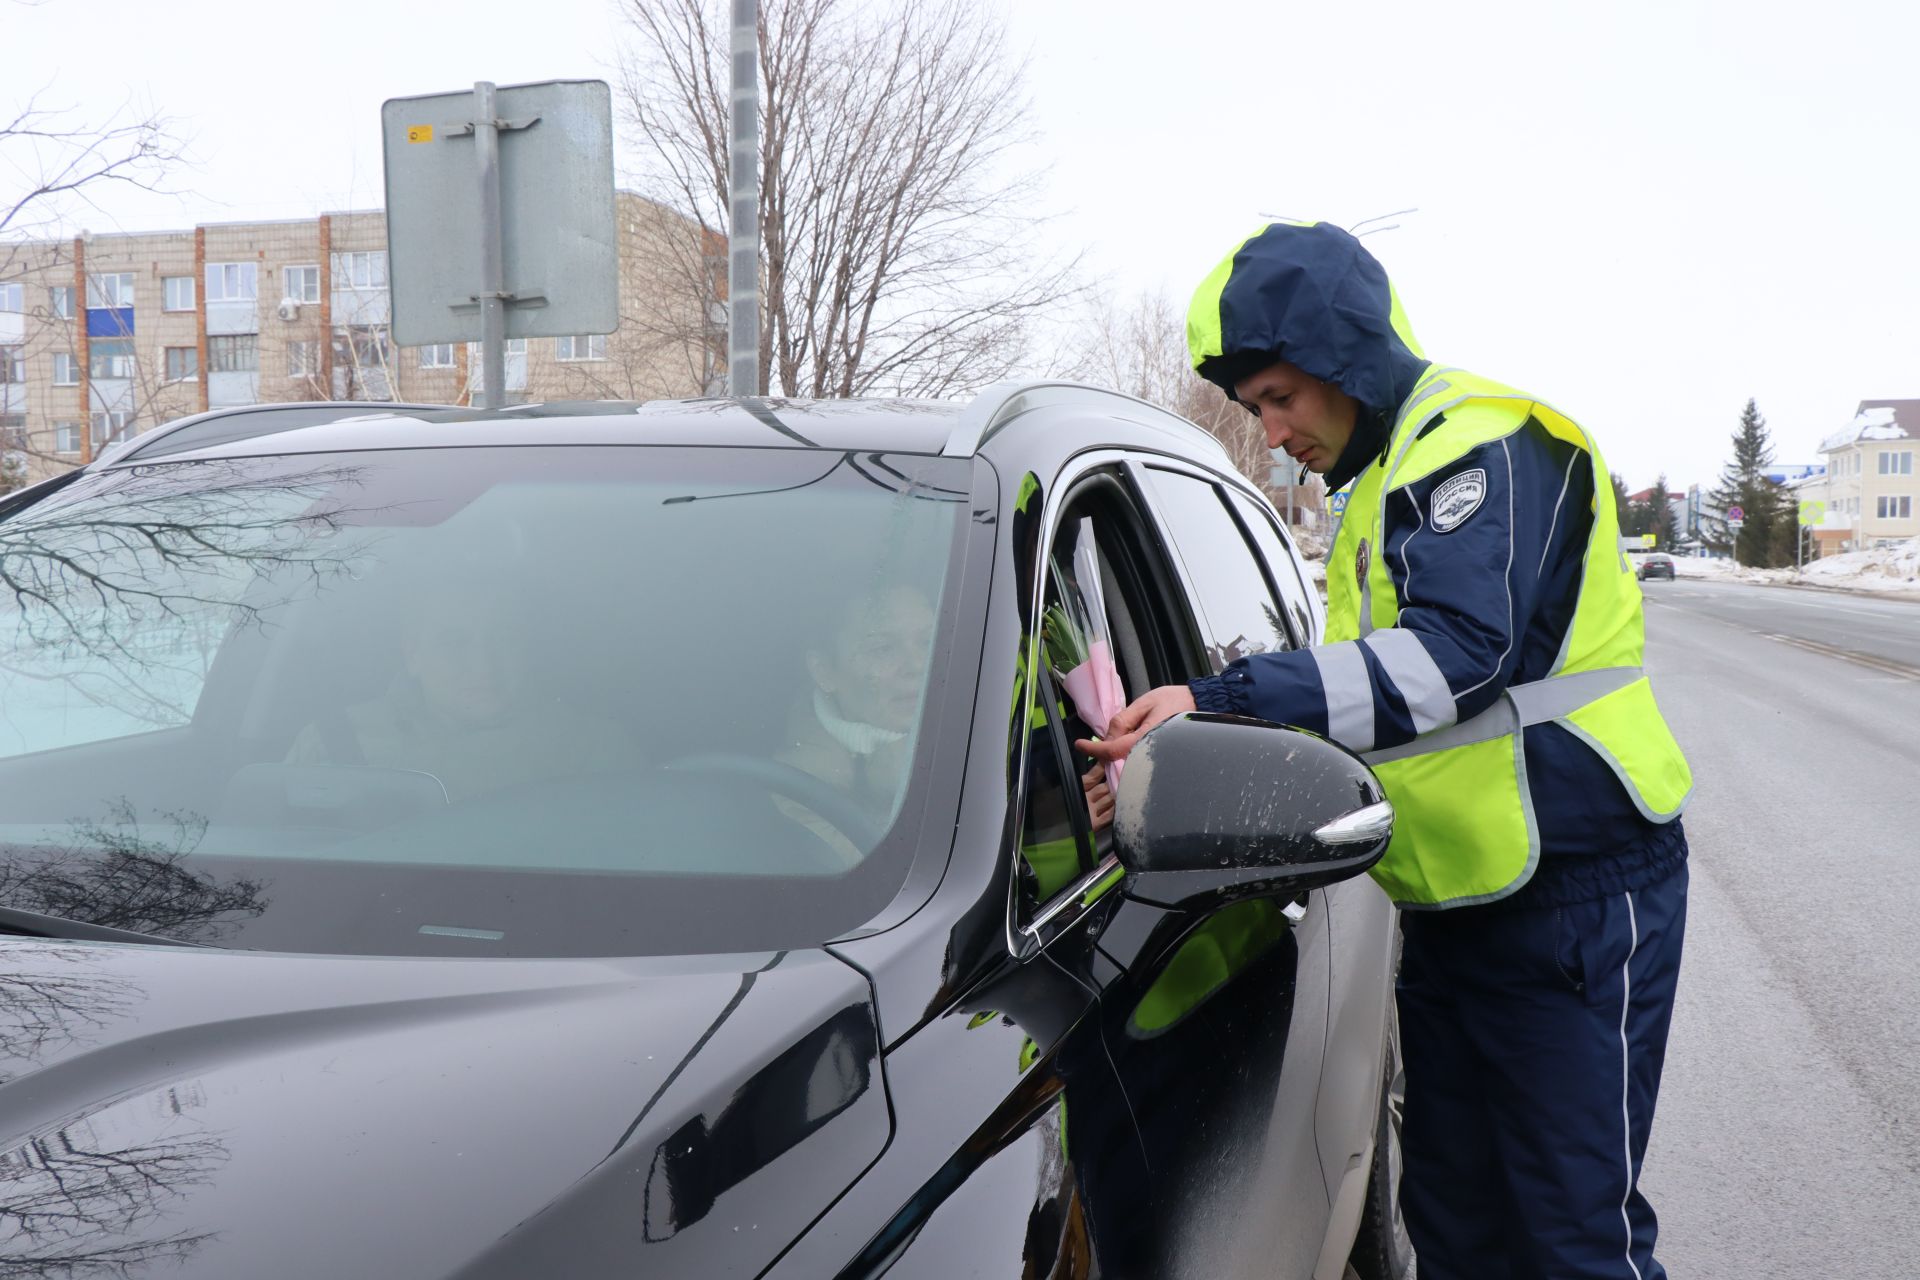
(104, 336)
(1872, 488)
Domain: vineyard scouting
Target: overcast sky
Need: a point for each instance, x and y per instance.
(1643, 213)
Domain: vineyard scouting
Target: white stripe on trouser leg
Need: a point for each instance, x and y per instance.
(1429, 700)
(1626, 1081)
(1343, 674)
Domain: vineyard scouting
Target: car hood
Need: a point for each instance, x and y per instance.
(220, 1113)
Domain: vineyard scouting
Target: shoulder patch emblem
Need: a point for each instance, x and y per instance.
(1456, 499)
(1362, 561)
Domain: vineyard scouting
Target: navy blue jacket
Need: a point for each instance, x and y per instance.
(1489, 599)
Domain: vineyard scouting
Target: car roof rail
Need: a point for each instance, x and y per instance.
(226, 425)
(996, 408)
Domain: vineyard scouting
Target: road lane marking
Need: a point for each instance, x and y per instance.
(1886, 665)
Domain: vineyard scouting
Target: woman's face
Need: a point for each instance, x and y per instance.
(876, 664)
(468, 655)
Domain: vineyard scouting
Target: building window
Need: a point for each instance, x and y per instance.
(13, 431)
(584, 346)
(303, 358)
(437, 356)
(178, 292)
(115, 290)
(233, 353)
(13, 297)
(66, 437)
(109, 427)
(13, 364)
(66, 369)
(1896, 462)
(362, 345)
(233, 281)
(183, 364)
(60, 301)
(366, 270)
(302, 283)
(1896, 508)
(111, 358)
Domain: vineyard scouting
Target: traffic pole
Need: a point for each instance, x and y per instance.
(493, 274)
(743, 204)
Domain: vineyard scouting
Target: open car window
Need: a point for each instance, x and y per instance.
(1105, 638)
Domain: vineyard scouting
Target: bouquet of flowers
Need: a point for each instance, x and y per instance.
(1079, 647)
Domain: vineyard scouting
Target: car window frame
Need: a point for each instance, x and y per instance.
(1031, 929)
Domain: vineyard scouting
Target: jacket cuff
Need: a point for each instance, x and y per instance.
(1219, 694)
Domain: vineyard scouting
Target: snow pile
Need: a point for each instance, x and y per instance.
(1892, 569)
(1725, 571)
(1896, 567)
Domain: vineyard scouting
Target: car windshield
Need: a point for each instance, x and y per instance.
(476, 701)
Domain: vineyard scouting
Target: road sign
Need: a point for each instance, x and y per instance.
(1337, 502)
(1812, 512)
(1736, 516)
(556, 259)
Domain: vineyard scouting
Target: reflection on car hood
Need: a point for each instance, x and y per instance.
(239, 1114)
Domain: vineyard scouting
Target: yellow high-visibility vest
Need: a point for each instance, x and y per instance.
(1464, 830)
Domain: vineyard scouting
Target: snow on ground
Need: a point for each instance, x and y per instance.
(1894, 569)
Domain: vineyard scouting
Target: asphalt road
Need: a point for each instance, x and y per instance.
(1787, 1141)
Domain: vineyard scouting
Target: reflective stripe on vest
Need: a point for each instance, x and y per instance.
(1535, 702)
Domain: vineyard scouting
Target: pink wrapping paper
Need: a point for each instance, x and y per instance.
(1097, 695)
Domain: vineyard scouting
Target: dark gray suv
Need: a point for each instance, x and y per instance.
(648, 839)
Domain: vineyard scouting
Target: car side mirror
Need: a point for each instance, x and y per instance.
(1212, 809)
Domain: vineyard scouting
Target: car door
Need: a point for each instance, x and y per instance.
(1365, 930)
(1014, 1152)
(1216, 1022)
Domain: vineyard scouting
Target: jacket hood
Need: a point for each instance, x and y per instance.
(1309, 294)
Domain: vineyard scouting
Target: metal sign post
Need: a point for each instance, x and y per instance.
(743, 204)
(493, 275)
(1812, 512)
(500, 218)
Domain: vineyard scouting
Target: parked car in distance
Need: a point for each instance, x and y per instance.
(647, 839)
(1655, 564)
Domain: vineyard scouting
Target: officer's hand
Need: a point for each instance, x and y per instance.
(1134, 720)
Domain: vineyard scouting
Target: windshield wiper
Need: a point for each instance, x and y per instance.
(32, 924)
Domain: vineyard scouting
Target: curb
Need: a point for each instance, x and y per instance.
(1903, 596)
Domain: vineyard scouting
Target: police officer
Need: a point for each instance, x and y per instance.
(1483, 651)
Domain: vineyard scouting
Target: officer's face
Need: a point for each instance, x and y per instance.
(1310, 419)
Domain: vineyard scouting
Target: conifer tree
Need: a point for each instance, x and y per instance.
(1744, 484)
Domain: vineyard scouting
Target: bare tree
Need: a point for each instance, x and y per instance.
(51, 161)
(897, 239)
(1141, 349)
(143, 391)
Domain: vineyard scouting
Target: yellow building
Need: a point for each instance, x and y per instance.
(1873, 477)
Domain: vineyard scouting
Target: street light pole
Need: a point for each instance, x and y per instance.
(743, 204)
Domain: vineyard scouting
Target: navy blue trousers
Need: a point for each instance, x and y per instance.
(1533, 1042)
